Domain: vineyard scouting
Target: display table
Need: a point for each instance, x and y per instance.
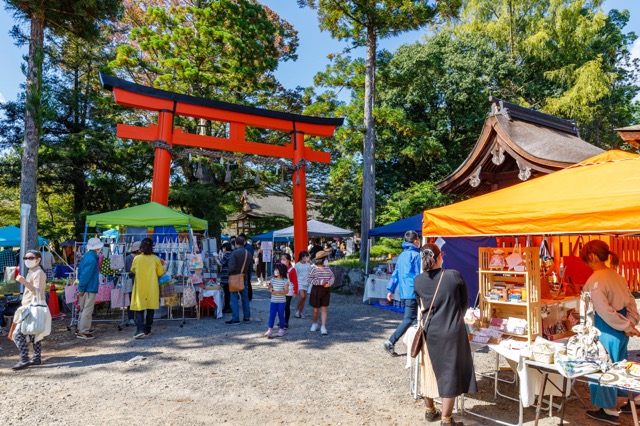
(530, 382)
(376, 288)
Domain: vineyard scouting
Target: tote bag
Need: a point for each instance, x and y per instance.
(576, 273)
(35, 320)
(104, 292)
(117, 260)
(236, 282)
(189, 296)
(119, 299)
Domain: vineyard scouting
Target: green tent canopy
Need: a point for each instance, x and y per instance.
(149, 215)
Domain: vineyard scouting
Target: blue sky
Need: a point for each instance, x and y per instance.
(312, 52)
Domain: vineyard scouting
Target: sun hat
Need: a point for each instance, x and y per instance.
(94, 243)
(135, 246)
(321, 255)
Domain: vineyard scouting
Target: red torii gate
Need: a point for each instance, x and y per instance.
(170, 104)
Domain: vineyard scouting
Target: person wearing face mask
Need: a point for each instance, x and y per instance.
(88, 283)
(278, 287)
(34, 287)
(321, 278)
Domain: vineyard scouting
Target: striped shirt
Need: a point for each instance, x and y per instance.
(278, 285)
(320, 275)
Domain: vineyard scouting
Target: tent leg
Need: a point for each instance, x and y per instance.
(84, 246)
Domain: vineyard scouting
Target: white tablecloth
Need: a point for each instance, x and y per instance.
(529, 377)
(376, 288)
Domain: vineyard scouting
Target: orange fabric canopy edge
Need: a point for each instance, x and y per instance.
(600, 195)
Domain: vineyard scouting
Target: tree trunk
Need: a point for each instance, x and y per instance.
(32, 126)
(369, 149)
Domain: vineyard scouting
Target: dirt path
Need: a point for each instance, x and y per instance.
(211, 373)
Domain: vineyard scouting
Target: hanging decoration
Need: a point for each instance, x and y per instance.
(199, 173)
(227, 176)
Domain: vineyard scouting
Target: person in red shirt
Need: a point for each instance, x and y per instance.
(293, 289)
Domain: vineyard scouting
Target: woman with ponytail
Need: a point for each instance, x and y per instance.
(615, 315)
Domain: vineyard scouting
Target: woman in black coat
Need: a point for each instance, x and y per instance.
(447, 362)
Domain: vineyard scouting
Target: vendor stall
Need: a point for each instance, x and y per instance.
(579, 200)
(174, 241)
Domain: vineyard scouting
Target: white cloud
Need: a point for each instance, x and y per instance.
(635, 49)
(2, 99)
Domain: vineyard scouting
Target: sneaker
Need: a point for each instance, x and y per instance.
(85, 336)
(314, 327)
(323, 330)
(626, 408)
(432, 416)
(245, 320)
(604, 417)
(286, 326)
(268, 334)
(301, 315)
(390, 348)
(140, 336)
(298, 314)
(131, 322)
(281, 332)
(231, 322)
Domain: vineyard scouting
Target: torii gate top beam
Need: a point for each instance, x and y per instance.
(148, 98)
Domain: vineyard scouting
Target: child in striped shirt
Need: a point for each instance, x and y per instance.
(278, 287)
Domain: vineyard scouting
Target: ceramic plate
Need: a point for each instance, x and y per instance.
(608, 378)
(633, 372)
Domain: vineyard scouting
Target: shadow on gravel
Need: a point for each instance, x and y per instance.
(93, 360)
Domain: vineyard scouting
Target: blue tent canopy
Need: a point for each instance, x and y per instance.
(269, 237)
(461, 253)
(10, 237)
(397, 229)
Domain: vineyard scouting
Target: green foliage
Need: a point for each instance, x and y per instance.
(415, 199)
(385, 246)
(211, 49)
(570, 59)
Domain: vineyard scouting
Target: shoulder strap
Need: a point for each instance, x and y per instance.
(434, 298)
(246, 253)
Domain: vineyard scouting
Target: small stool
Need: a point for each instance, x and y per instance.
(208, 303)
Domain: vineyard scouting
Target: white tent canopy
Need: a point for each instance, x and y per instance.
(316, 229)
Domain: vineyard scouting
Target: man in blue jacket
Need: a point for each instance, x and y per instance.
(407, 268)
(88, 282)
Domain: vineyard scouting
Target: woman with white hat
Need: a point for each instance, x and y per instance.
(88, 284)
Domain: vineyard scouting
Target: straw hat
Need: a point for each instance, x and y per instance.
(321, 255)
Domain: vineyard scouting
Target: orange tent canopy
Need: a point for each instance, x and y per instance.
(601, 195)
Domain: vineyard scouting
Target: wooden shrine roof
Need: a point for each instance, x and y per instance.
(259, 206)
(630, 135)
(517, 144)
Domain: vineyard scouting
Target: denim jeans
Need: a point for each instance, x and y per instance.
(410, 315)
(143, 326)
(276, 308)
(246, 310)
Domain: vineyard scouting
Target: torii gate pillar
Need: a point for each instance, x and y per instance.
(162, 159)
(300, 237)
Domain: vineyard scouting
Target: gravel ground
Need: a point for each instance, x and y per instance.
(210, 373)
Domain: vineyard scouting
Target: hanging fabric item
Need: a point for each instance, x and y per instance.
(199, 173)
(227, 176)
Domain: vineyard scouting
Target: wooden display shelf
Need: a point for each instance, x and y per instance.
(529, 280)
